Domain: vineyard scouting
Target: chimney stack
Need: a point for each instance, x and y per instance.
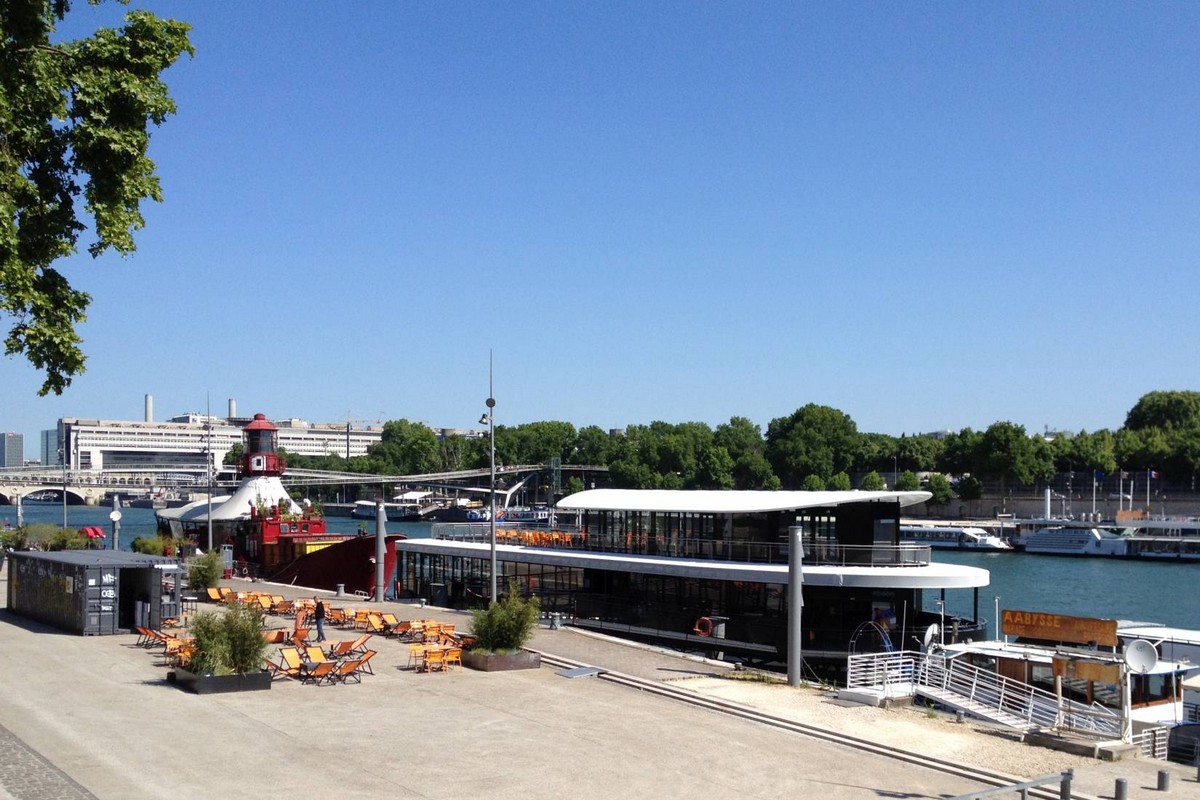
(149, 408)
(232, 408)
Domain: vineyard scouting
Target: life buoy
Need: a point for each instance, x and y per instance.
(703, 627)
(245, 572)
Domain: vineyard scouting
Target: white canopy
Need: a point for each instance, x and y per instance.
(707, 501)
(265, 490)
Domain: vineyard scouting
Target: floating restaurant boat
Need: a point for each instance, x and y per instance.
(708, 570)
(263, 529)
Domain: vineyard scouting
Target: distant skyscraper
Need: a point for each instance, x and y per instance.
(50, 447)
(14, 449)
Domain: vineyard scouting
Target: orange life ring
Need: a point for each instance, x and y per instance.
(703, 627)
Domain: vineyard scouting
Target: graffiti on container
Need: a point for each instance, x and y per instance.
(108, 578)
(108, 594)
(47, 593)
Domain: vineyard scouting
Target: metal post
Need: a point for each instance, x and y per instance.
(795, 661)
(209, 468)
(490, 419)
(1120, 790)
(62, 456)
(380, 549)
(1064, 785)
(1164, 780)
(115, 516)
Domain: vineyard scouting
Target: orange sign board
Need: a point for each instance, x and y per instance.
(1086, 670)
(1059, 627)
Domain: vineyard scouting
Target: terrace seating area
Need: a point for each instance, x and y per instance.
(355, 636)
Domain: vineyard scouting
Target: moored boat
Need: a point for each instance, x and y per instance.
(953, 538)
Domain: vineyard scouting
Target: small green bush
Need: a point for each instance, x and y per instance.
(506, 625)
(152, 546)
(14, 539)
(68, 539)
(228, 642)
(205, 570)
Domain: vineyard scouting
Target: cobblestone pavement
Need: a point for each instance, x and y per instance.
(25, 775)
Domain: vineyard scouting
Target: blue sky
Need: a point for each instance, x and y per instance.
(929, 216)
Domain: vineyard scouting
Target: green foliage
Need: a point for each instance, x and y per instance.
(1165, 410)
(970, 488)
(873, 482)
(839, 482)
(406, 448)
(152, 546)
(212, 647)
(813, 440)
(205, 570)
(907, 482)
(574, 485)
(939, 486)
(1012, 456)
(75, 117)
(228, 641)
(243, 632)
(813, 483)
(506, 625)
(15, 539)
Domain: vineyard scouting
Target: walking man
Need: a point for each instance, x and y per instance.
(319, 616)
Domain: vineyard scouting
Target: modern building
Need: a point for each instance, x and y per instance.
(190, 441)
(50, 447)
(14, 450)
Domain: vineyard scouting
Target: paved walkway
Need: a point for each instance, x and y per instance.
(95, 717)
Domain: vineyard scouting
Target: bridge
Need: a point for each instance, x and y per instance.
(90, 487)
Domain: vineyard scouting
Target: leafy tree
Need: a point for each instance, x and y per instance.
(812, 440)
(592, 447)
(873, 482)
(1165, 410)
(72, 112)
(918, 453)
(940, 488)
(960, 453)
(753, 471)
(875, 452)
(907, 482)
(538, 442)
(235, 454)
(574, 485)
(970, 488)
(813, 483)
(407, 448)
(840, 482)
(1010, 455)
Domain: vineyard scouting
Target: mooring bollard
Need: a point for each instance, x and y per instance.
(1121, 791)
(1064, 786)
(1164, 781)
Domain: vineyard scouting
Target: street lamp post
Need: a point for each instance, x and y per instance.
(489, 418)
(62, 457)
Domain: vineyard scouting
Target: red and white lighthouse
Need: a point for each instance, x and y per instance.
(260, 458)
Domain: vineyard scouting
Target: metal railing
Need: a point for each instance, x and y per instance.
(685, 547)
(1034, 707)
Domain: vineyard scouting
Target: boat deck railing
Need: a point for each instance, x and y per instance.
(816, 553)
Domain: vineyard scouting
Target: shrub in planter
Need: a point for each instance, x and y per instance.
(228, 642)
(505, 626)
(204, 571)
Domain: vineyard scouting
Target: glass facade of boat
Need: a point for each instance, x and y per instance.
(663, 602)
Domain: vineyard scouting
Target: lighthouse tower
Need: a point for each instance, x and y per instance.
(260, 458)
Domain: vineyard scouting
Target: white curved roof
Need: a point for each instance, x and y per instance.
(710, 501)
(265, 489)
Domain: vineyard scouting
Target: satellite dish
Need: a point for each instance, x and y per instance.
(930, 634)
(1140, 656)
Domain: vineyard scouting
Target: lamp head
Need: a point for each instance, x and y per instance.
(483, 420)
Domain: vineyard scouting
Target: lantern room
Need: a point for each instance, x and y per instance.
(260, 457)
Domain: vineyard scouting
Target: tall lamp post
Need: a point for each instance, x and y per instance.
(62, 457)
(489, 419)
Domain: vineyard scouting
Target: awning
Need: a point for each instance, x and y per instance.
(93, 532)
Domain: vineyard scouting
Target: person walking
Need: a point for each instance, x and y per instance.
(319, 616)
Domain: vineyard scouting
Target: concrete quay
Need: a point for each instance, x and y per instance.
(94, 717)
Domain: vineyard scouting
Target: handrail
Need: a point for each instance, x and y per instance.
(1036, 707)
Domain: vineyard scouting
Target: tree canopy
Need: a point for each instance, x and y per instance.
(74, 125)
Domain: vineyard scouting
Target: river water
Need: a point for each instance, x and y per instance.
(1085, 587)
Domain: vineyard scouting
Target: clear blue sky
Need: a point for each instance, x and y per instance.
(929, 216)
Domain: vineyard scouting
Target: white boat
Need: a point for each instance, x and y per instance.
(395, 512)
(953, 538)
(709, 570)
(1069, 540)
(539, 515)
